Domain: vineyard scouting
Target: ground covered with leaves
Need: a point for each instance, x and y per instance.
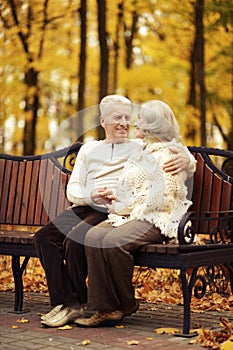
(152, 286)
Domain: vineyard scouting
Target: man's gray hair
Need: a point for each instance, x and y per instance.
(108, 100)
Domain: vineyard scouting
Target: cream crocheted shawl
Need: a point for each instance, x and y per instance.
(146, 192)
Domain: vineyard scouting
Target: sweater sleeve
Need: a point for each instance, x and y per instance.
(76, 190)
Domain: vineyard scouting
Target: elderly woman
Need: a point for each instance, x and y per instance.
(148, 206)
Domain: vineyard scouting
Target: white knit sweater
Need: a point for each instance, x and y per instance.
(146, 192)
(98, 164)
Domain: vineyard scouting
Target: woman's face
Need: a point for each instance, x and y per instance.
(138, 127)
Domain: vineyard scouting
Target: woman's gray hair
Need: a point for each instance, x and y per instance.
(109, 100)
(160, 121)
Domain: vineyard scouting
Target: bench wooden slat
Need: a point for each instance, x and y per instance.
(226, 195)
(12, 192)
(216, 198)
(6, 165)
(197, 191)
(48, 194)
(206, 196)
(26, 193)
(63, 201)
(19, 192)
(23, 237)
(178, 248)
(41, 217)
(33, 190)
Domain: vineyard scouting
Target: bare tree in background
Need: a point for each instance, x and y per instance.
(82, 67)
(104, 55)
(197, 93)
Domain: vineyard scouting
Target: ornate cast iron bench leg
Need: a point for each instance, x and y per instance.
(187, 287)
(18, 281)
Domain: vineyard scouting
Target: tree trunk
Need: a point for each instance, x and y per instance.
(31, 75)
(197, 91)
(201, 67)
(82, 68)
(104, 56)
(31, 108)
(116, 45)
(129, 36)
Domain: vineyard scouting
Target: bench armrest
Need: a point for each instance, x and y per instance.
(217, 225)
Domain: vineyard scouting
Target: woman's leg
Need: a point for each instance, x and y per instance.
(119, 260)
(110, 264)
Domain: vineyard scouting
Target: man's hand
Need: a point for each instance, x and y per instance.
(102, 196)
(180, 161)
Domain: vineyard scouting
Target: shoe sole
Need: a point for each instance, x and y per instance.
(132, 310)
(105, 323)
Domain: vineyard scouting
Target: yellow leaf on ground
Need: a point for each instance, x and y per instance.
(120, 326)
(227, 345)
(85, 342)
(149, 338)
(22, 320)
(166, 330)
(64, 328)
(132, 342)
(14, 326)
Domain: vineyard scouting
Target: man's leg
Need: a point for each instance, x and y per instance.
(75, 268)
(49, 242)
(74, 252)
(49, 246)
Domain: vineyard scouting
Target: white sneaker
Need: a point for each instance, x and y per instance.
(52, 312)
(65, 316)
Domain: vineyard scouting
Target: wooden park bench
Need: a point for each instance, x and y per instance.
(33, 191)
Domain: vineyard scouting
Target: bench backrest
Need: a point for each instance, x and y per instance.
(213, 188)
(32, 191)
(33, 188)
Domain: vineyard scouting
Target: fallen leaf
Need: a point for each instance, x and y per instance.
(227, 345)
(166, 330)
(14, 327)
(120, 326)
(132, 342)
(22, 320)
(85, 342)
(64, 328)
(149, 338)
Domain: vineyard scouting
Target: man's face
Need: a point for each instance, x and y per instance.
(116, 122)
